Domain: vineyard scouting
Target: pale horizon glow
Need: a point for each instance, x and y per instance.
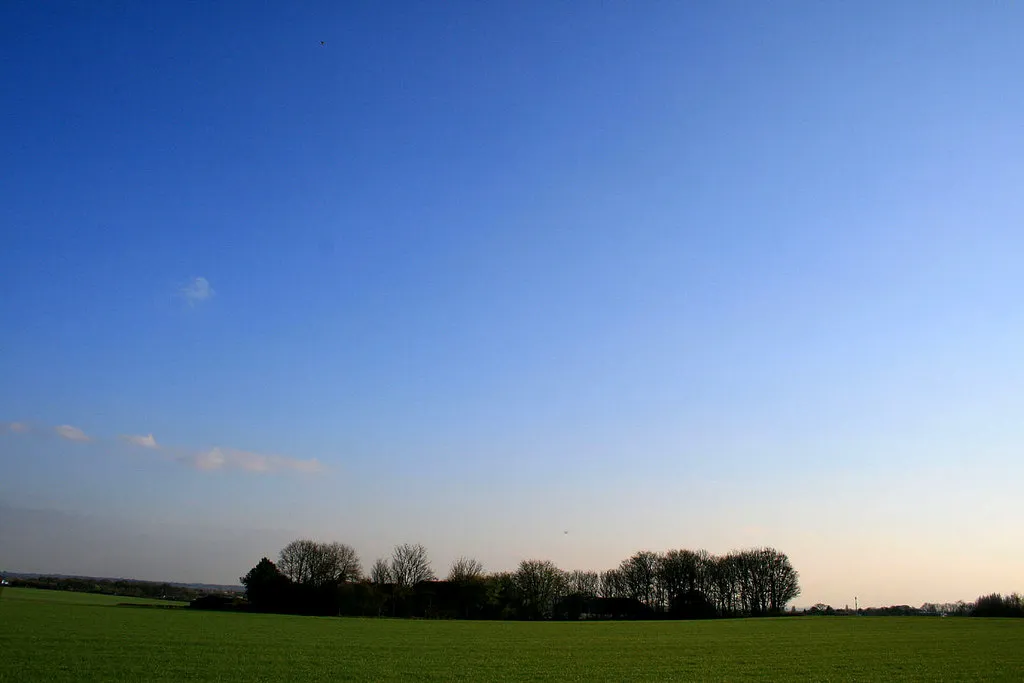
(673, 276)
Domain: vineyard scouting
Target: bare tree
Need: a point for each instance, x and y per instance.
(342, 563)
(783, 582)
(760, 580)
(747, 582)
(726, 585)
(612, 584)
(580, 582)
(410, 565)
(296, 560)
(311, 563)
(465, 569)
(640, 574)
(677, 573)
(539, 584)
(705, 578)
(380, 572)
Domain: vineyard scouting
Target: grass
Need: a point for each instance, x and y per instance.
(71, 598)
(53, 636)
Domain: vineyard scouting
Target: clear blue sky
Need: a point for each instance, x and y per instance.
(657, 274)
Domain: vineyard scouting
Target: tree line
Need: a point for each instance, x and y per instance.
(992, 605)
(311, 577)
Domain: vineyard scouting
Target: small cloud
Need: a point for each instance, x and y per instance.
(212, 459)
(14, 427)
(247, 461)
(144, 441)
(198, 289)
(71, 433)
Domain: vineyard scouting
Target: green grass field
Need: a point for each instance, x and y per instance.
(48, 636)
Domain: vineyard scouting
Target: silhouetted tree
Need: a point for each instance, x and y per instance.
(502, 596)
(465, 569)
(585, 583)
(380, 572)
(612, 584)
(782, 580)
(725, 583)
(996, 605)
(316, 565)
(468, 588)
(677, 574)
(539, 584)
(640, 575)
(410, 565)
(266, 587)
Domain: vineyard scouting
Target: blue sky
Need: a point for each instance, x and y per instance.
(660, 274)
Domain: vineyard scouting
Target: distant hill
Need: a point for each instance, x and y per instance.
(131, 588)
(212, 587)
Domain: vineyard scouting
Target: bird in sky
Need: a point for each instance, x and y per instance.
(322, 43)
